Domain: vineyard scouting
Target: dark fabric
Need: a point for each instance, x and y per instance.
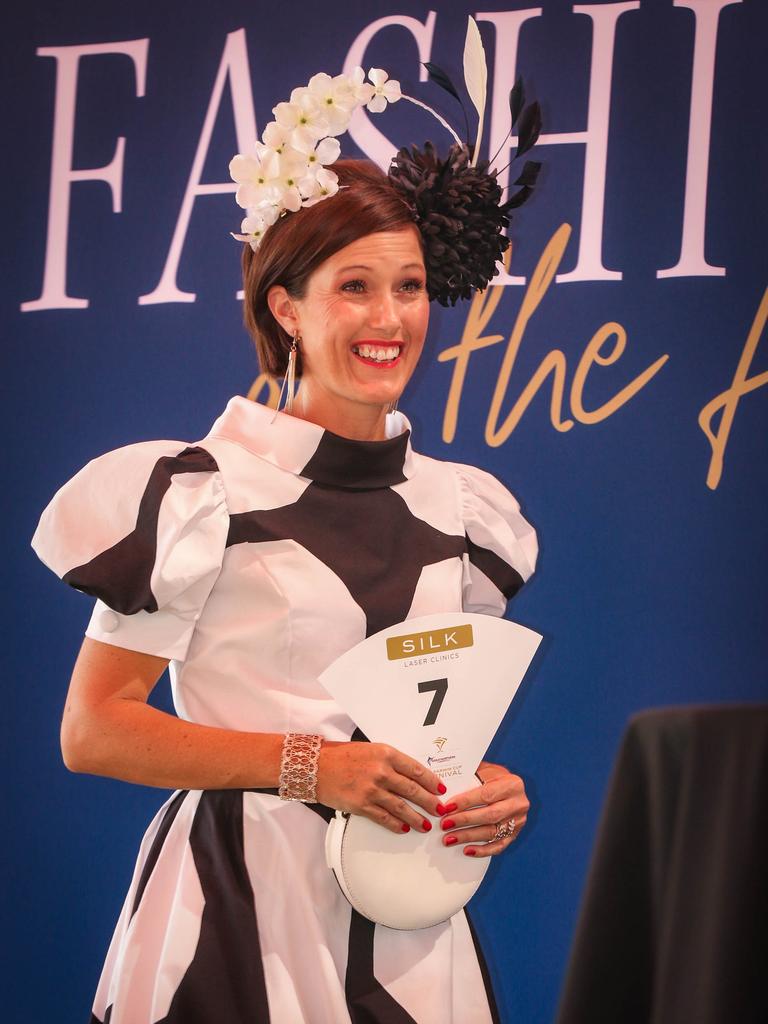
(121, 575)
(225, 980)
(370, 539)
(484, 971)
(358, 465)
(207, 859)
(157, 844)
(674, 922)
(499, 572)
(368, 1001)
(325, 812)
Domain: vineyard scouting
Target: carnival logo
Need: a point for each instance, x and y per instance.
(440, 742)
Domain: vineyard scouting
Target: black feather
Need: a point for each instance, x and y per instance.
(530, 126)
(518, 198)
(439, 77)
(530, 173)
(516, 100)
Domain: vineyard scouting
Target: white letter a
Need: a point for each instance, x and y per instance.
(234, 64)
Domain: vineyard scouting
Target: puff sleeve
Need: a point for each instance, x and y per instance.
(143, 529)
(501, 543)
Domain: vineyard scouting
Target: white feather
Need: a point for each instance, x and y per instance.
(475, 77)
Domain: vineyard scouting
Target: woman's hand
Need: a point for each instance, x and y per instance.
(377, 782)
(473, 816)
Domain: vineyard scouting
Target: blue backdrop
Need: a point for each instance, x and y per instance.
(619, 388)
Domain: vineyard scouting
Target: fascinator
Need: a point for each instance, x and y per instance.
(455, 199)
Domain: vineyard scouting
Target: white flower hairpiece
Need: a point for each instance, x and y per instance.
(289, 168)
(456, 200)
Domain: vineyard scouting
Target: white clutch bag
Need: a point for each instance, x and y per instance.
(401, 881)
(436, 687)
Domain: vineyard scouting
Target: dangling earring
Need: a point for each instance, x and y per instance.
(392, 407)
(289, 379)
(291, 374)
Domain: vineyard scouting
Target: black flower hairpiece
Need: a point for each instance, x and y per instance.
(459, 212)
(456, 200)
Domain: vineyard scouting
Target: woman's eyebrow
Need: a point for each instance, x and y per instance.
(363, 266)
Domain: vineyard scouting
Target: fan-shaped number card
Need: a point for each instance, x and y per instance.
(436, 687)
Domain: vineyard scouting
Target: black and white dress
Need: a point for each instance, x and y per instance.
(252, 560)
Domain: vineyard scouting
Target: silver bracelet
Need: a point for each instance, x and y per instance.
(298, 767)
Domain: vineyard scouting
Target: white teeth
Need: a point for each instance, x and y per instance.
(381, 355)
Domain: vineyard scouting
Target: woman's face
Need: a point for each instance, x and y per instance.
(363, 321)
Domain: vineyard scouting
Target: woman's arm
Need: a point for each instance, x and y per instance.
(109, 729)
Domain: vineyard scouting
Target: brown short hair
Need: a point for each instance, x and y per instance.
(298, 243)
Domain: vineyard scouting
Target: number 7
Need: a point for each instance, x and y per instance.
(440, 687)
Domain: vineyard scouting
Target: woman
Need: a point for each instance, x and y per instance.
(248, 562)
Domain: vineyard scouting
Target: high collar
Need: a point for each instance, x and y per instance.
(310, 451)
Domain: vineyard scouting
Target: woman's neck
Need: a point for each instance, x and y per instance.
(355, 420)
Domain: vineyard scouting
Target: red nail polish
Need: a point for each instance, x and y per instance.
(447, 823)
(440, 809)
(426, 825)
(450, 808)
(441, 788)
(450, 840)
(471, 853)
(405, 828)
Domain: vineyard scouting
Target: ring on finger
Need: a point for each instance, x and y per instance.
(505, 829)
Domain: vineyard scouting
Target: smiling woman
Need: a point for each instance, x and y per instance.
(362, 323)
(251, 560)
(294, 247)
